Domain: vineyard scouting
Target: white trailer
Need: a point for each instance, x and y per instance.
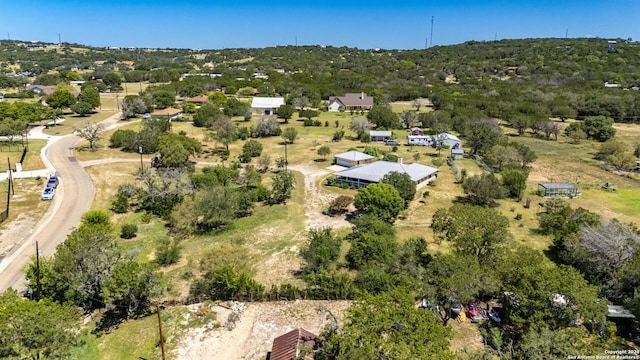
(419, 140)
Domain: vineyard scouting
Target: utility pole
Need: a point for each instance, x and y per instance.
(141, 166)
(38, 284)
(286, 160)
(431, 36)
(160, 331)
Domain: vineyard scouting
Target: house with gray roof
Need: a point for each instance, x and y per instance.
(353, 159)
(448, 140)
(362, 176)
(377, 135)
(351, 102)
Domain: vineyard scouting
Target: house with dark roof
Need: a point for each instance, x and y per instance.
(362, 176)
(42, 89)
(351, 102)
(296, 344)
(353, 159)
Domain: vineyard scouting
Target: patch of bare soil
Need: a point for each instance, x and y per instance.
(317, 199)
(12, 233)
(246, 331)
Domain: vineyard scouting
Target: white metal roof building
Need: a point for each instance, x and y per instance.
(373, 173)
(266, 105)
(377, 135)
(353, 158)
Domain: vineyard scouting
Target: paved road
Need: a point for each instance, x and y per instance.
(62, 216)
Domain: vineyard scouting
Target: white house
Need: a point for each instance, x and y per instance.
(362, 176)
(375, 135)
(449, 140)
(353, 159)
(266, 105)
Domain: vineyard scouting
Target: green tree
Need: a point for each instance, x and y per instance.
(250, 149)
(112, 80)
(283, 184)
(386, 326)
(324, 151)
(225, 129)
(322, 250)
(60, 99)
(599, 128)
(403, 183)
(82, 263)
(472, 229)
(82, 108)
(515, 181)
(207, 210)
(381, 200)
(206, 115)
(36, 329)
(218, 98)
(163, 99)
(307, 113)
(285, 112)
(481, 135)
(175, 149)
(131, 285)
(383, 117)
(91, 96)
(483, 189)
(290, 134)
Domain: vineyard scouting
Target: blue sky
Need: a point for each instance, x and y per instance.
(213, 24)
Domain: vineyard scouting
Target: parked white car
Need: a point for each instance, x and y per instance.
(48, 193)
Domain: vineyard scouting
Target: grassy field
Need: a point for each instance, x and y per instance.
(13, 152)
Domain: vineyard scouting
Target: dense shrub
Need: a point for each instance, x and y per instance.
(128, 231)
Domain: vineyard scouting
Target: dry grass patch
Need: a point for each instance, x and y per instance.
(73, 122)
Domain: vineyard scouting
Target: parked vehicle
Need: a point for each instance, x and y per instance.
(48, 193)
(53, 181)
(391, 142)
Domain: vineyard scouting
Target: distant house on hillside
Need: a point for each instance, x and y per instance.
(1, 97)
(351, 102)
(42, 89)
(266, 105)
(168, 113)
(201, 99)
(416, 131)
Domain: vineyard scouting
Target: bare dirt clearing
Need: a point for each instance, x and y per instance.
(252, 334)
(316, 199)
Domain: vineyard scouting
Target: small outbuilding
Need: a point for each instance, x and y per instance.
(557, 189)
(353, 159)
(296, 344)
(376, 135)
(457, 154)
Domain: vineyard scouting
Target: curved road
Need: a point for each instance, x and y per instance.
(62, 216)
